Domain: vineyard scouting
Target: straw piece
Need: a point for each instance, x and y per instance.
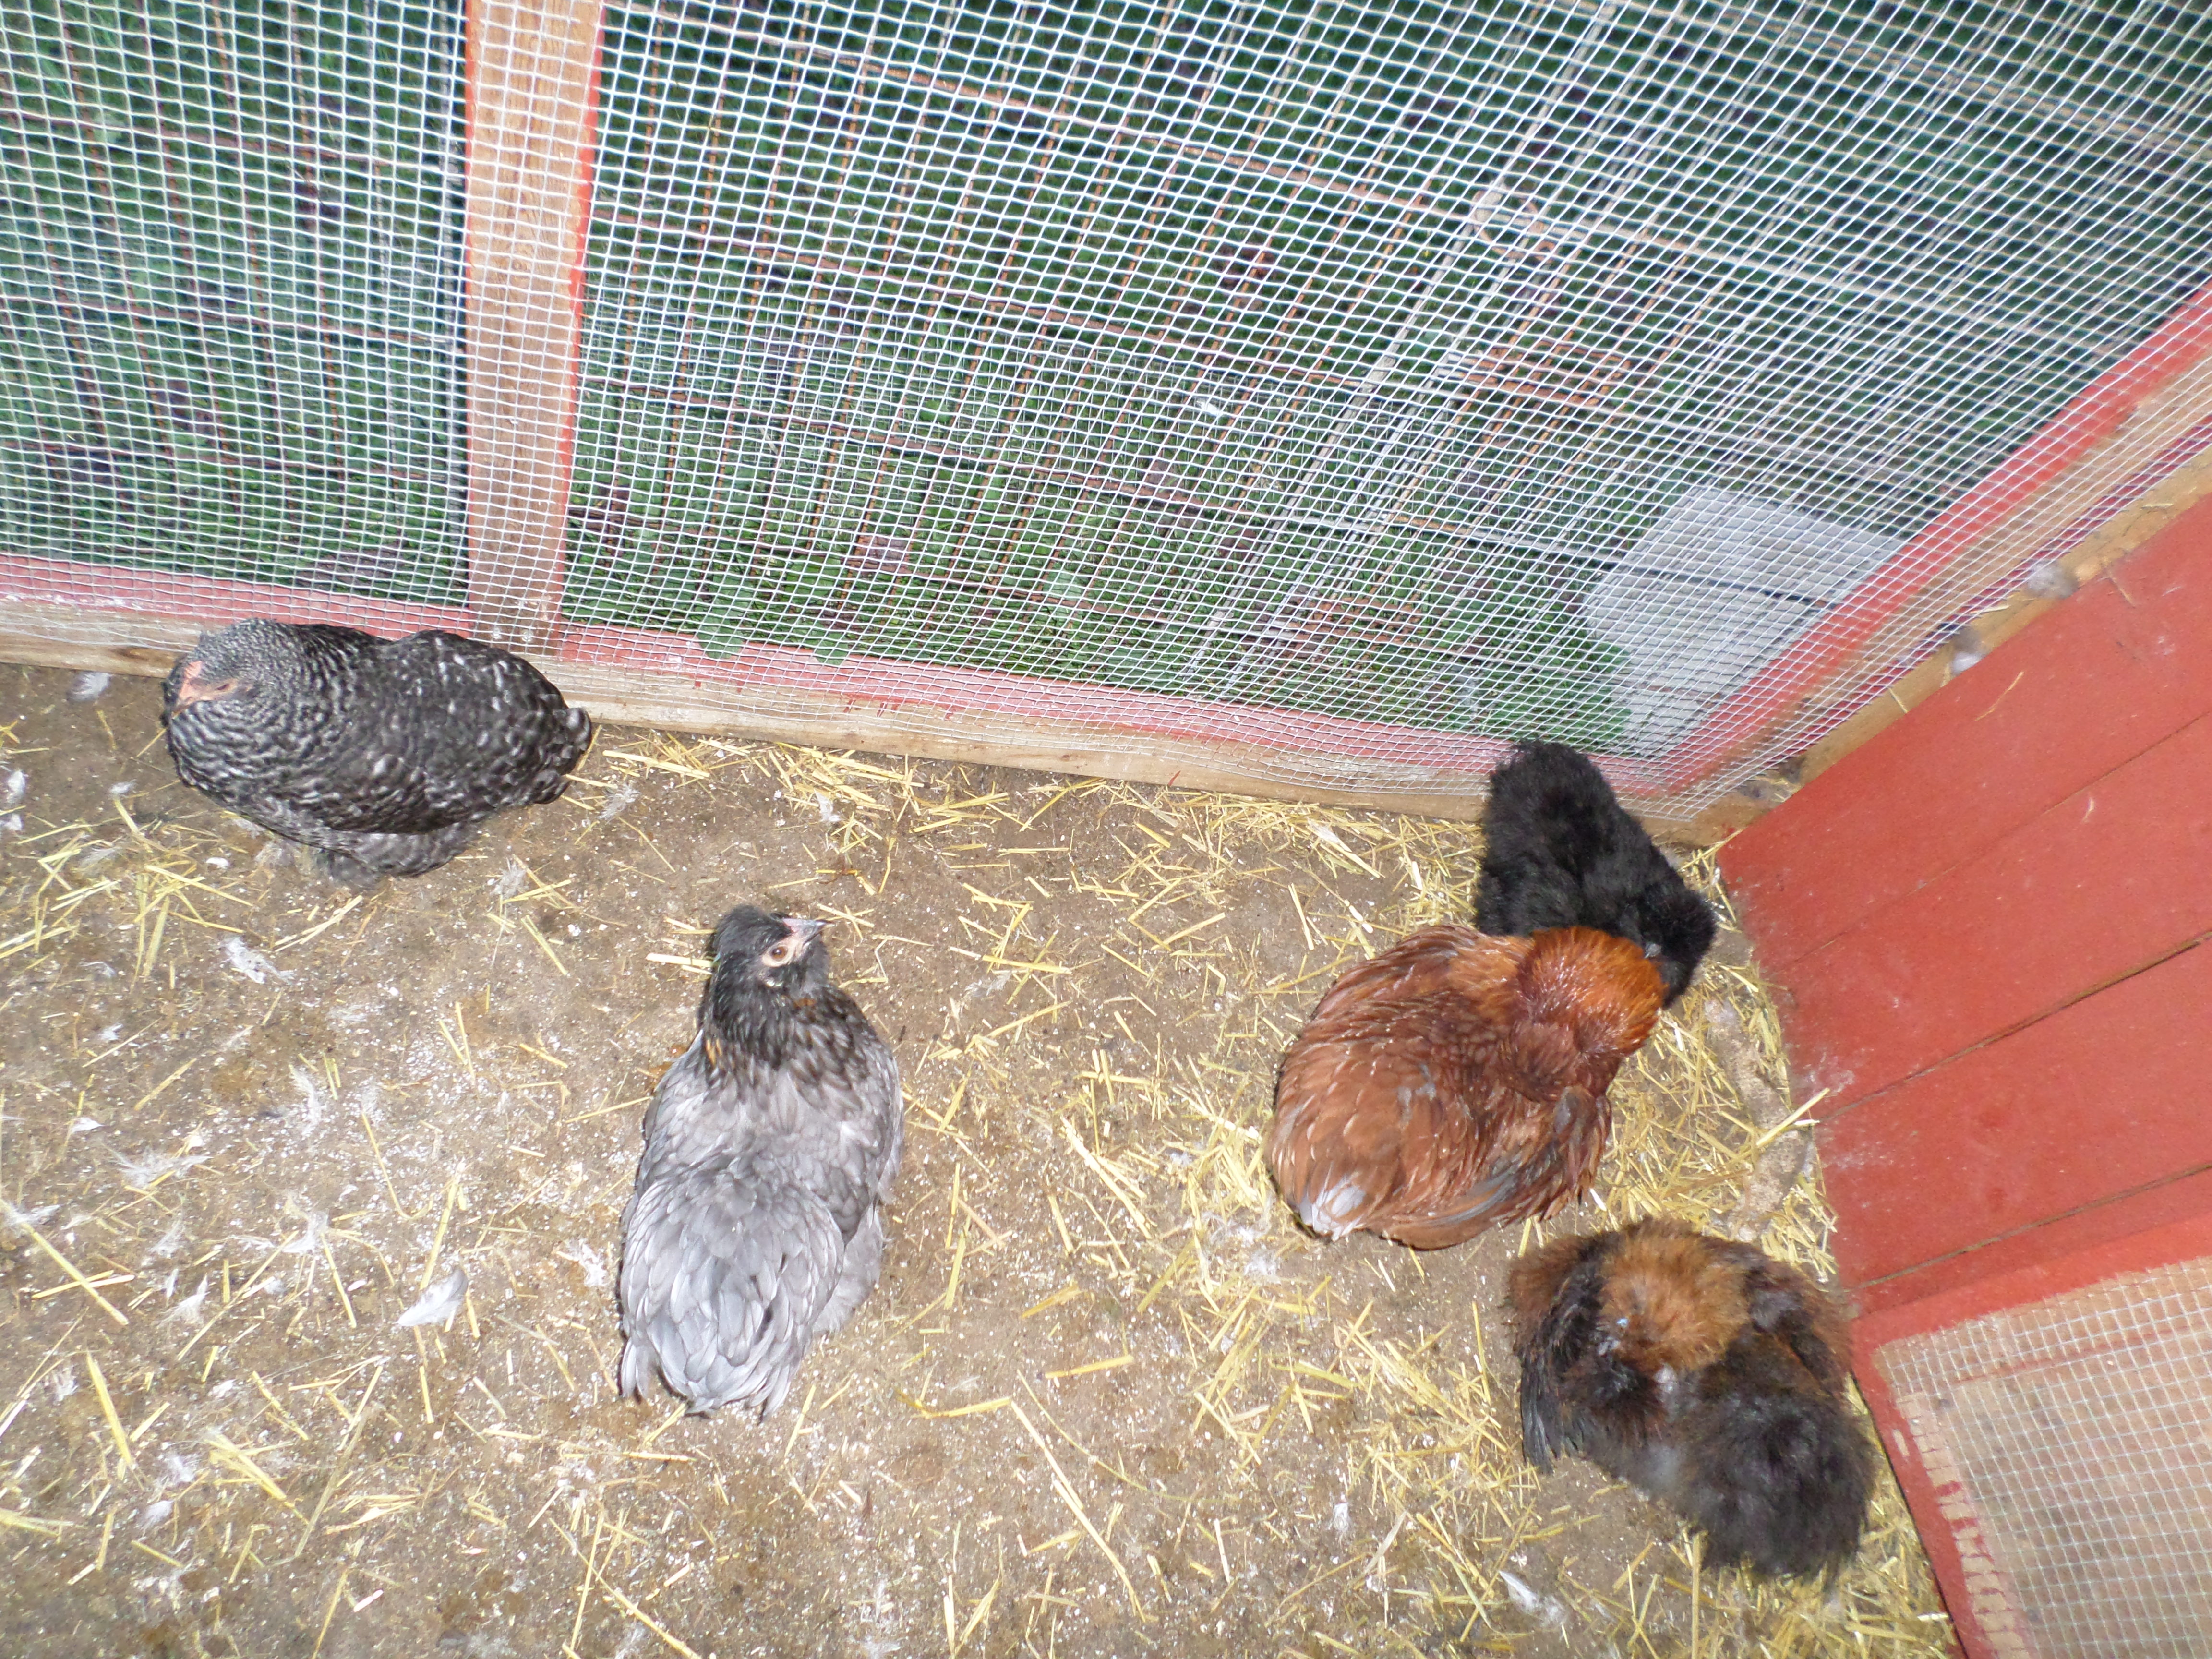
(17, 1218)
(33, 1523)
(123, 1458)
(646, 1619)
(1082, 1518)
(237, 1458)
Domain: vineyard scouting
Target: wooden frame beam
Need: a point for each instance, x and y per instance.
(532, 88)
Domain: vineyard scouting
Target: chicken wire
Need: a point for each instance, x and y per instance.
(1339, 376)
(2070, 1442)
(230, 265)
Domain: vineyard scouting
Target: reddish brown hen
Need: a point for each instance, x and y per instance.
(1457, 1081)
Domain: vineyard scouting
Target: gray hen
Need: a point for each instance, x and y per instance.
(770, 1148)
(385, 754)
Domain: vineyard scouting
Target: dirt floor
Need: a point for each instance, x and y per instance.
(1108, 1399)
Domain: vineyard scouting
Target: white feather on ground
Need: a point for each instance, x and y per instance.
(245, 959)
(1532, 1601)
(439, 1304)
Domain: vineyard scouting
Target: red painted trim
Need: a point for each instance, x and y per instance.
(2126, 493)
(120, 590)
(1922, 1497)
(2081, 691)
(2168, 1221)
(864, 683)
(881, 682)
(472, 260)
(572, 373)
(2094, 414)
(565, 378)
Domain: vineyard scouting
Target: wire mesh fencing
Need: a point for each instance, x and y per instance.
(2071, 1443)
(1370, 380)
(230, 266)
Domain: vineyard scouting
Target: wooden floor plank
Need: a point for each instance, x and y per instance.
(2103, 883)
(2106, 1096)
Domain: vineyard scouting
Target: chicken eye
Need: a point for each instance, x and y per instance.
(779, 954)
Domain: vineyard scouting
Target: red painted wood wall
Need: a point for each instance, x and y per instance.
(1986, 931)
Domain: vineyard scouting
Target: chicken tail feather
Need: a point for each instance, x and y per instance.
(639, 1368)
(1336, 1210)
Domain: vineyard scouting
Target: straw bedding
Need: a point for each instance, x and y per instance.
(1108, 1400)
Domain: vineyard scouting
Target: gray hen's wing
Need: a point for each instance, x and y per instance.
(829, 1123)
(856, 1275)
(871, 1135)
(691, 1119)
(723, 1281)
(879, 1093)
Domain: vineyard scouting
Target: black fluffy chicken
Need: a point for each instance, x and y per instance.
(1558, 851)
(1705, 1372)
(770, 1148)
(384, 754)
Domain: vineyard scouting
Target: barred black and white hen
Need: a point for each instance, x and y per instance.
(385, 754)
(770, 1149)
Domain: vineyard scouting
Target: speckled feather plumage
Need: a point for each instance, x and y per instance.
(771, 1146)
(386, 752)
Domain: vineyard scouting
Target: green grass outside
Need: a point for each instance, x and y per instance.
(1312, 354)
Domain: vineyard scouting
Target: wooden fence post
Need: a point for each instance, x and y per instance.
(533, 87)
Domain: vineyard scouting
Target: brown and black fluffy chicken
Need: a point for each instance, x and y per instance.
(1705, 1372)
(770, 1149)
(383, 754)
(1457, 1081)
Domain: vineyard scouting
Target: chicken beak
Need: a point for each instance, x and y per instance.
(801, 930)
(193, 689)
